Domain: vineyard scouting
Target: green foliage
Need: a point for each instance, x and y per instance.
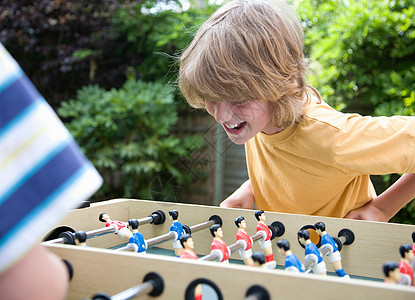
(126, 134)
(362, 55)
(157, 35)
(64, 45)
(363, 52)
(406, 214)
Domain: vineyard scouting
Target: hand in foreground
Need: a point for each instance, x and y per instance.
(241, 198)
(367, 212)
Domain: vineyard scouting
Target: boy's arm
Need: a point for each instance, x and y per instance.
(243, 197)
(387, 204)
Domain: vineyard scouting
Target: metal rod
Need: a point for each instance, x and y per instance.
(101, 231)
(308, 262)
(252, 297)
(139, 290)
(89, 234)
(128, 247)
(233, 248)
(161, 239)
(342, 239)
(172, 235)
(213, 256)
(201, 226)
(54, 241)
(145, 220)
(256, 237)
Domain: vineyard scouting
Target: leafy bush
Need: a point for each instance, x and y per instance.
(126, 134)
(63, 45)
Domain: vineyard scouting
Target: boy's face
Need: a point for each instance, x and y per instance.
(242, 121)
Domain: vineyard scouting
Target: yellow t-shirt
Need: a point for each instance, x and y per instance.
(322, 165)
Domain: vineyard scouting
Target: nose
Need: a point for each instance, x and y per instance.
(221, 111)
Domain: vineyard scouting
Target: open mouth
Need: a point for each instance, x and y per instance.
(234, 128)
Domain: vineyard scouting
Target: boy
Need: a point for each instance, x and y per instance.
(246, 67)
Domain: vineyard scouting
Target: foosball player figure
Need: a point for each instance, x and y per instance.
(218, 245)
(258, 258)
(120, 227)
(188, 252)
(137, 238)
(413, 242)
(405, 263)
(292, 263)
(177, 228)
(188, 247)
(311, 250)
(334, 254)
(413, 251)
(392, 272)
(243, 236)
(80, 238)
(265, 242)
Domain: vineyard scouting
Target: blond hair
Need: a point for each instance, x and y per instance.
(248, 50)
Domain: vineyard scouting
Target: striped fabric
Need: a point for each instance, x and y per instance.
(43, 173)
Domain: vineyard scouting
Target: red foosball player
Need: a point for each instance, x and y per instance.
(218, 245)
(405, 264)
(413, 242)
(392, 272)
(413, 251)
(187, 243)
(243, 236)
(265, 242)
(120, 227)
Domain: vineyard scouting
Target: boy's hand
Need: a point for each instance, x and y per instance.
(387, 204)
(236, 203)
(241, 198)
(367, 212)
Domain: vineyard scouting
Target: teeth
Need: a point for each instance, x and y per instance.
(232, 126)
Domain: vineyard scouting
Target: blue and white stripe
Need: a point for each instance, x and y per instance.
(43, 173)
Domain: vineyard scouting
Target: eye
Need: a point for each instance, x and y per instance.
(242, 103)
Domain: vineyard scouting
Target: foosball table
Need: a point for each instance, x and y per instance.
(109, 267)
